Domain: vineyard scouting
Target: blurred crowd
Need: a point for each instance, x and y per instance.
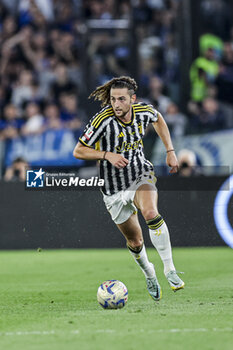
(40, 68)
(53, 55)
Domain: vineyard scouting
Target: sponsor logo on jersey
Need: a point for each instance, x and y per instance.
(89, 133)
(127, 146)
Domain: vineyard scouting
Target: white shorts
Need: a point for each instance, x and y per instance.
(120, 205)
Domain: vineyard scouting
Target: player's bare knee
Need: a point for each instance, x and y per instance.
(135, 244)
(149, 214)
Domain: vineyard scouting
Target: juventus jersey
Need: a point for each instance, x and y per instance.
(108, 133)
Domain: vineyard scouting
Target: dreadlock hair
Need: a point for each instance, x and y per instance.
(102, 93)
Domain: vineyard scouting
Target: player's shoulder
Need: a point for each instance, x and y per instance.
(103, 116)
(144, 107)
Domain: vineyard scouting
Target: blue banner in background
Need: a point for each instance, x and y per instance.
(212, 150)
(53, 147)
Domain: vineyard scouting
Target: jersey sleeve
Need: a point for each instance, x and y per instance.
(147, 110)
(95, 129)
(154, 114)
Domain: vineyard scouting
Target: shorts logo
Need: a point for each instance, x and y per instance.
(89, 133)
(35, 178)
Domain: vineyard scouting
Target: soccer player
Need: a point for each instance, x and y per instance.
(129, 180)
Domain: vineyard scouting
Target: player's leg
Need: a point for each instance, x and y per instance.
(133, 234)
(146, 199)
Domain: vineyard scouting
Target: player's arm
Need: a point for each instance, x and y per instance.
(162, 130)
(88, 153)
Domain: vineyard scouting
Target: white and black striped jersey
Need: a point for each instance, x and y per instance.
(108, 133)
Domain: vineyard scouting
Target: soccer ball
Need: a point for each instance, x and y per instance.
(112, 294)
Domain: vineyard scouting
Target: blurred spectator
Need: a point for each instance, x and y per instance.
(11, 124)
(160, 101)
(46, 77)
(62, 83)
(34, 48)
(207, 41)
(34, 120)
(16, 171)
(209, 117)
(23, 90)
(11, 57)
(9, 28)
(175, 120)
(203, 72)
(64, 45)
(71, 116)
(212, 117)
(52, 118)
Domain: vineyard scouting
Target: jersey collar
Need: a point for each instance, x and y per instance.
(127, 123)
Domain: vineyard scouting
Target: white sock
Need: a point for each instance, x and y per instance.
(161, 241)
(142, 260)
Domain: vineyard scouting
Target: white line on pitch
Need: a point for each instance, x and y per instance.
(28, 333)
(76, 331)
(187, 330)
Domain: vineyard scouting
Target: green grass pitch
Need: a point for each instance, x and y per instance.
(48, 301)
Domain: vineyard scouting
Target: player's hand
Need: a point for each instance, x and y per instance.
(172, 162)
(117, 160)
